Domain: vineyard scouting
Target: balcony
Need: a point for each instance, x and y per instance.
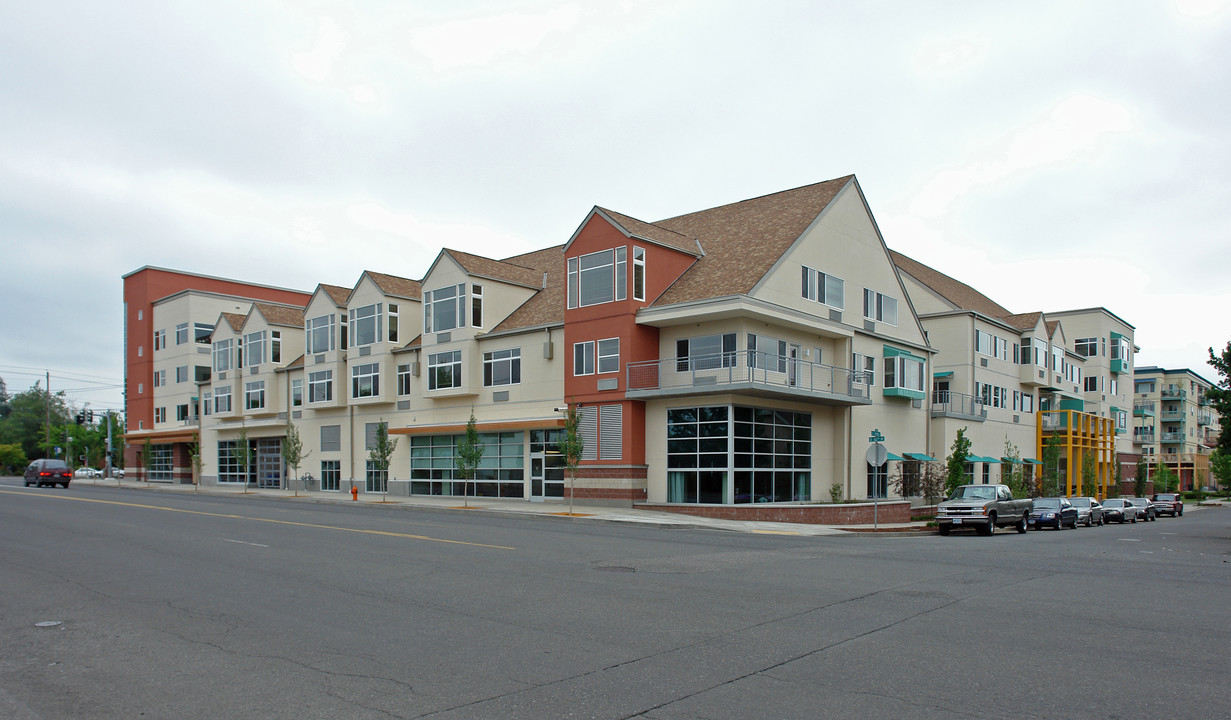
(1174, 392)
(957, 405)
(1143, 437)
(1173, 436)
(1203, 400)
(1172, 414)
(1143, 409)
(752, 373)
(1205, 418)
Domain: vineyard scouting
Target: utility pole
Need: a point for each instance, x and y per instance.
(107, 471)
(48, 397)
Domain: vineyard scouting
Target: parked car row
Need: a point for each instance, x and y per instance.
(1062, 512)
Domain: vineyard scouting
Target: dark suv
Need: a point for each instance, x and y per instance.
(48, 472)
(1169, 504)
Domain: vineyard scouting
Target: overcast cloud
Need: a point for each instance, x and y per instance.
(1054, 155)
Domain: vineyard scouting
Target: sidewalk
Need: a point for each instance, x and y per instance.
(554, 509)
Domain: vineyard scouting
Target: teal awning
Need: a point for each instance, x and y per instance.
(990, 460)
(897, 458)
(1011, 461)
(1031, 461)
(945, 374)
(920, 456)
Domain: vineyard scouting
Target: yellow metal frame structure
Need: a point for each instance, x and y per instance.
(1080, 433)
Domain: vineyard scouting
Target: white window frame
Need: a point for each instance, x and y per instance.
(476, 305)
(160, 341)
(902, 367)
(509, 359)
(181, 333)
(222, 399)
(451, 359)
(297, 392)
(639, 276)
(404, 381)
(613, 261)
(314, 326)
(823, 288)
(222, 355)
(863, 368)
(392, 326)
(254, 348)
(583, 358)
(254, 395)
(688, 360)
(320, 386)
(440, 297)
(607, 356)
(160, 378)
(365, 380)
(367, 317)
(880, 307)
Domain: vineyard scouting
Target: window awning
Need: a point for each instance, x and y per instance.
(1011, 461)
(945, 374)
(1031, 461)
(990, 460)
(896, 458)
(920, 456)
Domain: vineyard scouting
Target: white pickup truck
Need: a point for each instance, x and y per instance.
(983, 507)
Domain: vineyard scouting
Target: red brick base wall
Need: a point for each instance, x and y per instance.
(629, 494)
(893, 511)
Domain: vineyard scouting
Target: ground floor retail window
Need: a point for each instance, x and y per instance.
(230, 467)
(501, 471)
(375, 479)
(161, 463)
(737, 454)
(331, 474)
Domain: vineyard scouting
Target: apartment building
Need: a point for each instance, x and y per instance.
(740, 355)
(169, 319)
(1013, 380)
(1174, 424)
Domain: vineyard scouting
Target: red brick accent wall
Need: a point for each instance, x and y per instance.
(639, 473)
(845, 514)
(630, 494)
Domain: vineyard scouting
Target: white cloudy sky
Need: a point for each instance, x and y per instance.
(1053, 154)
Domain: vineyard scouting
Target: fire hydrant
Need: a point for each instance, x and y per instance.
(354, 493)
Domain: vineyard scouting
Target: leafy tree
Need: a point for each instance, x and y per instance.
(1014, 472)
(1052, 479)
(1089, 474)
(469, 453)
(381, 456)
(955, 466)
(293, 454)
(194, 459)
(1139, 480)
(570, 448)
(12, 459)
(4, 400)
(1220, 395)
(1165, 480)
(241, 452)
(1220, 464)
(26, 421)
(147, 459)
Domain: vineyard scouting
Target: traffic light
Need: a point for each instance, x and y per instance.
(80, 418)
(89, 416)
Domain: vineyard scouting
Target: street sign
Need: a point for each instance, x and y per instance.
(876, 437)
(877, 455)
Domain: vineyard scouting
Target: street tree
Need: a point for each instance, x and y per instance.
(1220, 395)
(195, 460)
(1220, 465)
(571, 447)
(955, 466)
(293, 454)
(381, 456)
(12, 459)
(469, 454)
(1089, 474)
(241, 453)
(1052, 480)
(1165, 480)
(1013, 472)
(27, 418)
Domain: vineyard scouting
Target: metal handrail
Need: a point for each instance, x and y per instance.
(761, 368)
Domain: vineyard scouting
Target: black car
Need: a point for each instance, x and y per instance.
(1056, 512)
(1145, 508)
(48, 472)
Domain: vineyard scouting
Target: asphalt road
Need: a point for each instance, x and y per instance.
(180, 606)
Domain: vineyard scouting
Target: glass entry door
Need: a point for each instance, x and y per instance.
(546, 465)
(269, 462)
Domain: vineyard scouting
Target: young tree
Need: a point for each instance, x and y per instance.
(955, 466)
(147, 460)
(1139, 482)
(1053, 479)
(194, 459)
(469, 454)
(1220, 395)
(381, 456)
(1013, 472)
(1165, 480)
(570, 448)
(241, 452)
(1089, 474)
(1142, 473)
(293, 454)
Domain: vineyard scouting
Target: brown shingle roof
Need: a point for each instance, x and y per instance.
(546, 307)
(338, 294)
(654, 233)
(396, 286)
(296, 363)
(280, 314)
(501, 270)
(743, 240)
(235, 320)
(1023, 321)
(957, 293)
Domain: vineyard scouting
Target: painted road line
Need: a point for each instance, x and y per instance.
(340, 528)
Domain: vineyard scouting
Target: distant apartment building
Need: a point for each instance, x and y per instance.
(1174, 423)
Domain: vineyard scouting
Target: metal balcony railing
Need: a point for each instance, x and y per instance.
(1173, 392)
(1145, 407)
(1172, 437)
(707, 373)
(945, 402)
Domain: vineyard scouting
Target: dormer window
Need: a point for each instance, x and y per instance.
(255, 344)
(365, 325)
(444, 309)
(598, 278)
(318, 334)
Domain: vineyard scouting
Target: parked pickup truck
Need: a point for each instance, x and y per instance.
(983, 507)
